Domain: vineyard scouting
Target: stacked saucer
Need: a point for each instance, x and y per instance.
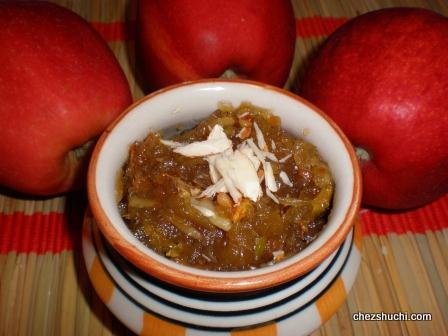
(151, 307)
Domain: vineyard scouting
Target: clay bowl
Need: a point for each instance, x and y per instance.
(194, 101)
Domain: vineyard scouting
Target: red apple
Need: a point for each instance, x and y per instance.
(383, 77)
(60, 86)
(183, 40)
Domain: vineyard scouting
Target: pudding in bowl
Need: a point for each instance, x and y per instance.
(271, 261)
(234, 192)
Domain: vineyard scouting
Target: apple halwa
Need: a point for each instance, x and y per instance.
(236, 192)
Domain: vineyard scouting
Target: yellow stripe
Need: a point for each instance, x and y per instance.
(154, 326)
(357, 235)
(101, 281)
(329, 303)
(266, 330)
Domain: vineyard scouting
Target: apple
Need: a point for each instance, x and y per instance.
(383, 78)
(60, 86)
(182, 40)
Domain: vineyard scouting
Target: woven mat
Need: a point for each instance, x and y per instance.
(44, 288)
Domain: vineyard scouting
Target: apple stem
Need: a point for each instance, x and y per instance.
(362, 154)
(229, 73)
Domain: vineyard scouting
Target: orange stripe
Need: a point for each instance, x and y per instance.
(332, 299)
(101, 281)
(40, 232)
(266, 330)
(431, 217)
(154, 326)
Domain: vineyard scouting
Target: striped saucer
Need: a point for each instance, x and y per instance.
(149, 307)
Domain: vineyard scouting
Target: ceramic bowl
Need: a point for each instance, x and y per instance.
(189, 103)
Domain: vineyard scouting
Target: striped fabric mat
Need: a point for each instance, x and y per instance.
(44, 287)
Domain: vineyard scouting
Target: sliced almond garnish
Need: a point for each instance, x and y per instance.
(246, 150)
(260, 138)
(269, 177)
(236, 172)
(243, 115)
(212, 190)
(258, 153)
(224, 167)
(268, 172)
(207, 208)
(239, 175)
(214, 175)
(172, 144)
(217, 142)
(285, 179)
(272, 196)
(270, 156)
(284, 159)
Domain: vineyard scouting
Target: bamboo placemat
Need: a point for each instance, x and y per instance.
(44, 288)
